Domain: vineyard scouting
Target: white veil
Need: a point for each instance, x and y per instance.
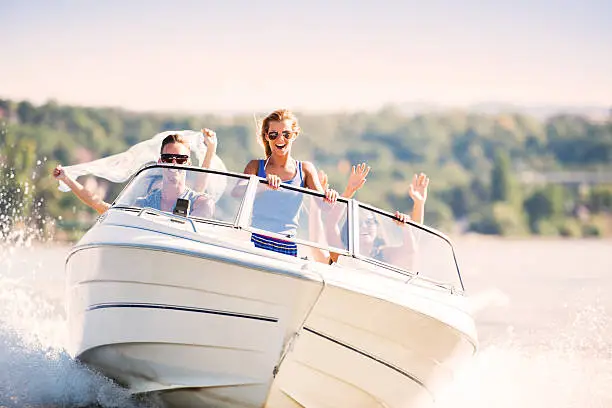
(118, 168)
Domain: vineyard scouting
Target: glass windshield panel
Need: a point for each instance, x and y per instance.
(209, 195)
(300, 215)
(383, 238)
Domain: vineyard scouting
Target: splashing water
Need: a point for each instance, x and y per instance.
(35, 369)
(570, 367)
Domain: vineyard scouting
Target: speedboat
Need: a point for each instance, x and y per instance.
(179, 303)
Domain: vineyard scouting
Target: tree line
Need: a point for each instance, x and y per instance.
(473, 160)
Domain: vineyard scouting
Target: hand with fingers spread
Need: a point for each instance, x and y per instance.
(418, 188)
(274, 181)
(356, 180)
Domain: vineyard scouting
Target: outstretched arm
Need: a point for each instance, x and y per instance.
(88, 197)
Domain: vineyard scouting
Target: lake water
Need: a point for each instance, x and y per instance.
(542, 309)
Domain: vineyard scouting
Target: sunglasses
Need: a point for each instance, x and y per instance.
(178, 158)
(286, 134)
(369, 222)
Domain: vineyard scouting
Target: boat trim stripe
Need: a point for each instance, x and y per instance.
(181, 309)
(371, 357)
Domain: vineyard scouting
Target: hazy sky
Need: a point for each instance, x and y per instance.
(231, 55)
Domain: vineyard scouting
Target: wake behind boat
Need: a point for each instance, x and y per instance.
(182, 303)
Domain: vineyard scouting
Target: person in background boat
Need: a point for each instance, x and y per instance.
(278, 211)
(96, 202)
(368, 227)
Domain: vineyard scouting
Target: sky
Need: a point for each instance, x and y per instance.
(315, 55)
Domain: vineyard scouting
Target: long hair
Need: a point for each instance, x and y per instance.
(279, 115)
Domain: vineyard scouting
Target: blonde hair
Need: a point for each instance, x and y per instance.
(279, 115)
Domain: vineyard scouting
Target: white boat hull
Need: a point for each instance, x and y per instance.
(360, 351)
(160, 321)
(207, 325)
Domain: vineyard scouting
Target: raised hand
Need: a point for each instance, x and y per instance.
(210, 139)
(418, 188)
(357, 178)
(59, 173)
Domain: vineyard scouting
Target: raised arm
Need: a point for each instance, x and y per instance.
(210, 141)
(356, 180)
(404, 255)
(88, 197)
(418, 192)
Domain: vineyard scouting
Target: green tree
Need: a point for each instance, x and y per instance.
(26, 112)
(544, 204)
(501, 178)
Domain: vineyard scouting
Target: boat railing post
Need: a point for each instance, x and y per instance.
(246, 206)
(353, 227)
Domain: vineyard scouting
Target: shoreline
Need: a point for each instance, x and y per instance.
(455, 240)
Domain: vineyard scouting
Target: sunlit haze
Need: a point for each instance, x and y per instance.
(231, 55)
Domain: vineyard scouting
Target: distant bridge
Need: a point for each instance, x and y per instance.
(566, 177)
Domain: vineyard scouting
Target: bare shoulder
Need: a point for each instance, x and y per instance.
(311, 177)
(309, 168)
(251, 167)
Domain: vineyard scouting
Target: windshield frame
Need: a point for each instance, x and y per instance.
(256, 181)
(245, 208)
(148, 167)
(413, 275)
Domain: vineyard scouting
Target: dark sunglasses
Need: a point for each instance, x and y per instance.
(287, 134)
(178, 158)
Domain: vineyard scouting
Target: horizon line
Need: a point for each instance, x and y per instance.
(414, 106)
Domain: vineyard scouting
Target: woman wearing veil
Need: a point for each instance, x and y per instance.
(96, 202)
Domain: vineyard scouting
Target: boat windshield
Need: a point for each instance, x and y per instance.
(158, 187)
(296, 215)
(300, 215)
(416, 249)
(287, 214)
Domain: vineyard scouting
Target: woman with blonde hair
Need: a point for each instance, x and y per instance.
(276, 211)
